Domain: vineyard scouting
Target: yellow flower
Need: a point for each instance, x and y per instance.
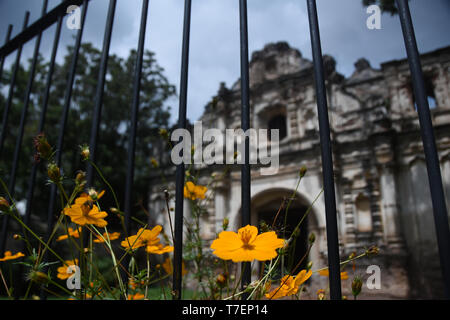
(142, 238)
(289, 285)
(191, 191)
(159, 249)
(112, 236)
(9, 256)
(62, 271)
(168, 267)
(73, 233)
(325, 273)
(84, 211)
(148, 239)
(246, 245)
(137, 296)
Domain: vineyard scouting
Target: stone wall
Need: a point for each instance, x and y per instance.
(381, 181)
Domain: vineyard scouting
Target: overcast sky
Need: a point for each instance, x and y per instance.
(214, 54)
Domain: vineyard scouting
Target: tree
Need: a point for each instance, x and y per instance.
(115, 119)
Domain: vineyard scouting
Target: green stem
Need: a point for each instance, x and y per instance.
(106, 182)
(148, 275)
(38, 238)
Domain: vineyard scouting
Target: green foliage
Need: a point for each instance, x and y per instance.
(115, 118)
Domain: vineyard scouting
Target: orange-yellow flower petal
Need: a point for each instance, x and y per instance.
(9, 256)
(111, 236)
(73, 233)
(326, 273)
(159, 249)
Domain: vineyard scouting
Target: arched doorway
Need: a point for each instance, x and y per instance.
(266, 209)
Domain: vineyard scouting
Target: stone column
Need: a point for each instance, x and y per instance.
(390, 209)
(375, 201)
(349, 216)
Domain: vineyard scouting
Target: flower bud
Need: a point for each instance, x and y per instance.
(54, 172)
(303, 171)
(225, 223)
(309, 265)
(372, 251)
(93, 194)
(85, 153)
(38, 277)
(80, 179)
(312, 238)
(114, 210)
(42, 146)
(17, 236)
(4, 205)
(321, 294)
(263, 226)
(221, 279)
(356, 286)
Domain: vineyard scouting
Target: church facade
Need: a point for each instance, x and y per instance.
(381, 180)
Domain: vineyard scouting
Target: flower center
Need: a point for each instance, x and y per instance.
(246, 236)
(87, 207)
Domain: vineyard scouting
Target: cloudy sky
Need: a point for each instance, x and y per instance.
(214, 54)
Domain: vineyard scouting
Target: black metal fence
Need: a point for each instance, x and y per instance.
(55, 16)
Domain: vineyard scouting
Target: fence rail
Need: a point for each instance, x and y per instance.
(56, 15)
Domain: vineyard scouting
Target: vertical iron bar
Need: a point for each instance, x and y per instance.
(327, 160)
(51, 68)
(23, 117)
(11, 88)
(179, 175)
(245, 124)
(134, 116)
(19, 286)
(2, 59)
(63, 123)
(429, 143)
(100, 89)
(133, 125)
